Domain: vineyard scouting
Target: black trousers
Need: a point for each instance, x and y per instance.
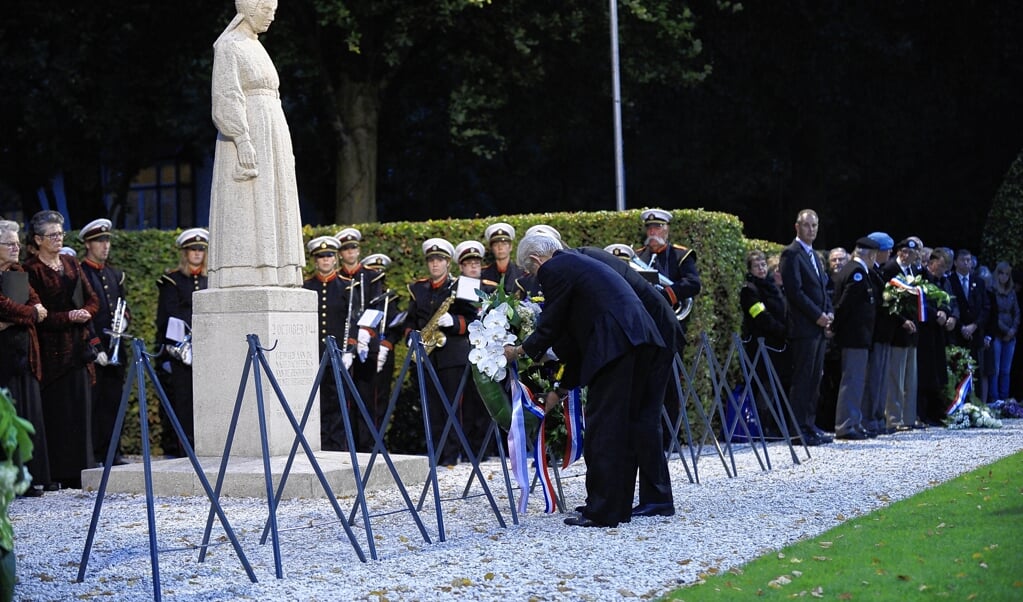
(807, 369)
(646, 424)
(106, 398)
(618, 410)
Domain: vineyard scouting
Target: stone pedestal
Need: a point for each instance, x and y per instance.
(245, 476)
(285, 320)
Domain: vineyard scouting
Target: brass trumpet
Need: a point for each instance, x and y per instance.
(683, 307)
(118, 325)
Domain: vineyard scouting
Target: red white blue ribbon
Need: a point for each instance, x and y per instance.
(540, 468)
(575, 424)
(961, 392)
(921, 296)
(517, 437)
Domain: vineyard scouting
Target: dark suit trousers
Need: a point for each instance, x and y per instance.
(807, 367)
(645, 421)
(614, 393)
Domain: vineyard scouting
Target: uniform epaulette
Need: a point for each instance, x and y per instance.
(166, 278)
(124, 276)
(679, 247)
(488, 282)
(377, 276)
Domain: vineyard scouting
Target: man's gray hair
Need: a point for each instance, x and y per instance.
(540, 245)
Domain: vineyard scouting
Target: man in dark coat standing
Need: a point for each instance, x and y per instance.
(810, 315)
(600, 330)
(974, 305)
(856, 302)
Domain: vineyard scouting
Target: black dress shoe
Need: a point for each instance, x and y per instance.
(853, 436)
(813, 440)
(663, 509)
(919, 426)
(580, 509)
(871, 433)
(582, 521)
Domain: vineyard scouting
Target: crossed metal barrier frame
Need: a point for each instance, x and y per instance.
(256, 362)
(141, 368)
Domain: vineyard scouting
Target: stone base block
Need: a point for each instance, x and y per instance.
(285, 321)
(245, 476)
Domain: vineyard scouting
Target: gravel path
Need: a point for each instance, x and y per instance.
(720, 523)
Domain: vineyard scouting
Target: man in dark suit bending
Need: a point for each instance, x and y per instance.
(600, 330)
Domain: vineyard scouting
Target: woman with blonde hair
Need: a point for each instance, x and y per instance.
(1005, 318)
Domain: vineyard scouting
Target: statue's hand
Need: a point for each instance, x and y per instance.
(246, 169)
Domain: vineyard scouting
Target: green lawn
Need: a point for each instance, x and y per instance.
(961, 540)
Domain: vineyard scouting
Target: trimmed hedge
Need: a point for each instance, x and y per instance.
(717, 238)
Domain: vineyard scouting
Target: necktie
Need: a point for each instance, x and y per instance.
(965, 280)
(813, 260)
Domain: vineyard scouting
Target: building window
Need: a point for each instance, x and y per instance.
(161, 196)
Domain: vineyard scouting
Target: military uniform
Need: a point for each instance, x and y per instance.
(108, 283)
(175, 301)
(677, 264)
(450, 360)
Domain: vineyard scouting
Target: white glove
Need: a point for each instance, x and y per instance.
(362, 347)
(346, 359)
(102, 359)
(381, 358)
(446, 320)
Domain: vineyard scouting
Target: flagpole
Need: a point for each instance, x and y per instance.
(616, 94)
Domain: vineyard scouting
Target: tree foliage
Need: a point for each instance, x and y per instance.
(1002, 241)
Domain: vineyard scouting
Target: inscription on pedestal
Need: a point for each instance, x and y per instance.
(292, 367)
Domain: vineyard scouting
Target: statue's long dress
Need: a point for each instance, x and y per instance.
(255, 224)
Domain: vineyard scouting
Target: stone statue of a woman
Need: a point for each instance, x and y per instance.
(255, 225)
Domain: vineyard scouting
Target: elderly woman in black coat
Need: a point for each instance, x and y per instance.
(764, 315)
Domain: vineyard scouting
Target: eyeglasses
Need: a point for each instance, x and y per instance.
(54, 236)
(11, 245)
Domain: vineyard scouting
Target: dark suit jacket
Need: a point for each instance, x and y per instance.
(856, 303)
(974, 306)
(591, 317)
(654, 302)
(805, 290)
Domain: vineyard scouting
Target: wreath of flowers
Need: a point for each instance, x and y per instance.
(901, 294)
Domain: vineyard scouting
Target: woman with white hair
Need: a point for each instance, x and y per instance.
(65, 348)
(20, 370)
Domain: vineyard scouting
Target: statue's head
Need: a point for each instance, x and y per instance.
(258, 13)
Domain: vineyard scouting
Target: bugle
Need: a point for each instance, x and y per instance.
(683, 307)
(118, 325)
